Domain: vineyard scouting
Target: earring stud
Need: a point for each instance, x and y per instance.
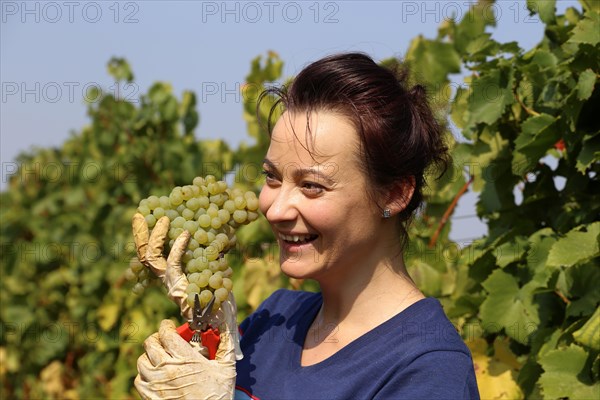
(387, 213)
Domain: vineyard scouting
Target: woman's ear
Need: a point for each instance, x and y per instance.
(399, 195)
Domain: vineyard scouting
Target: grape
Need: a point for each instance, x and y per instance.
(216, 223)
(223, 215)
(240, 216)
(150, 220)
(227, 284)
(165, 202)
(188, 214)
(221, 294)
(158, 213)
(144, 210)
(198, 181)
(193, 204)
(215, 281)
(201, 236)
(153, 202)
(252, 204)
(210, 212)
(190, 226)
(204, 220)
(176, 198)
(138, 288)
(240, 202)
(130, 275)
(229, 205)
(172, 214)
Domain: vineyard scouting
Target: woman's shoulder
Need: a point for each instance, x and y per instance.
(424, 327)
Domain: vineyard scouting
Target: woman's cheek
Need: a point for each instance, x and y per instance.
(264, 201)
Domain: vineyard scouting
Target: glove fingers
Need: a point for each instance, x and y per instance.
(175, 279)
(157, 239)
(154, 350)
(143, 388)
(173, 343)
(177, 251)
(228, 330)
(140, 235)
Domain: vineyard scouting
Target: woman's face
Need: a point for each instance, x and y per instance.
(317, 202)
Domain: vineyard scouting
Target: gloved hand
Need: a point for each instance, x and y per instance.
(150, 253)
(172, 369)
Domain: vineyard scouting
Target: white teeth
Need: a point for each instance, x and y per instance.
(295, 238)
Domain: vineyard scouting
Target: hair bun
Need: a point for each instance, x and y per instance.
(419, 92)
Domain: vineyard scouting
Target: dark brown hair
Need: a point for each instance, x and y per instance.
(399, 135)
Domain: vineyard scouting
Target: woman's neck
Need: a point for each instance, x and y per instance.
(367, 296)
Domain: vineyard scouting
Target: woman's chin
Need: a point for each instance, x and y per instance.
(296, 269)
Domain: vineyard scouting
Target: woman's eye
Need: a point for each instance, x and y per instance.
(312, 188)
(269, 177)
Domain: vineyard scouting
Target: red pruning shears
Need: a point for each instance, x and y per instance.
(199, 328)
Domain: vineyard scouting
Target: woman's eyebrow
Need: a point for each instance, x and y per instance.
(301, 172)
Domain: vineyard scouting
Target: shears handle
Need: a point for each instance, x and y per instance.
(186, 332)
(210, 338)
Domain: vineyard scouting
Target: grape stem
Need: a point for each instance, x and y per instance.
(448, 212)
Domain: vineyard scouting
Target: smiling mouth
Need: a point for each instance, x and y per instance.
(297, 239)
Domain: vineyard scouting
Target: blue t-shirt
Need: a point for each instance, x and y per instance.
(417, 354)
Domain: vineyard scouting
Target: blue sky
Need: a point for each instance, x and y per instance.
(50, 52)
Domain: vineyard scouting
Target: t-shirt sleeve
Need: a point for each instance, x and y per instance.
(434, 375)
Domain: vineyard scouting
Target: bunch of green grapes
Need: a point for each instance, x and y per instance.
(211, 212)
(141, 275)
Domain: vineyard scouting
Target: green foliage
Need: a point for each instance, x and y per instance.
(66, 241)
(531, 148)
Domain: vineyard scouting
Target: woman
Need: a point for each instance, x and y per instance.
(344, 175)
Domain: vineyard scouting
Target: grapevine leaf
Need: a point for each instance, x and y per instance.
(433, 60)
(589, 334)
(545, 8)
(490, 94)
(565, 375)
(538, 134)
(495, 375)
(585, 85)
(472, 27)
(119, 69)
(509, 307)
(590, 152)
(587, 30)
(426, 277)
(459, 109)
(582, 289)
(578, 245)
(511, 251)
(539, 246)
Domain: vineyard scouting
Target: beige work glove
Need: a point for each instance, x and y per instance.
(172, 369)
(150, 253)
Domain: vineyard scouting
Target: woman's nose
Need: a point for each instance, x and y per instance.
(283, 206)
